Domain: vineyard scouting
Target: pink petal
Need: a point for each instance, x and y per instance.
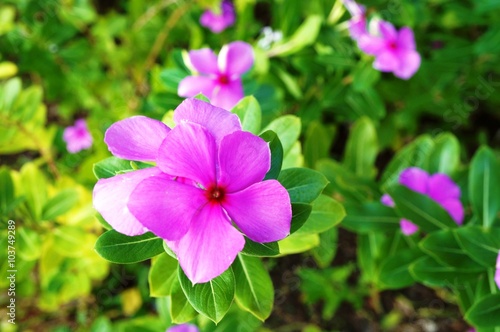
(183, 328)
(164, 206)
(406, 40)
(204, 61)
(455, 209)
(192, 85)
(386, 61)
(387, 200)
(497, 277)
(244, 159)
(357, 27)
(441, 188)
(110, 198)
(407, 227)
(354, 8)
(415, 179)
(136, 138)
(210, 246)
(226, 96)
(388, 31)
(262, 211)
(217, 120)
(189, 151)
(408, 65)
(217, 23)
(370, 44)
(235, 58)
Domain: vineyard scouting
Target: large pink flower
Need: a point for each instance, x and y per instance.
(219, 78)
(394, 51)
(209, 174)
(77, 137)
(219, 22)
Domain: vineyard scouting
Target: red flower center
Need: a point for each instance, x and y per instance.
(215, 194)
(223, 79)
(393, 45)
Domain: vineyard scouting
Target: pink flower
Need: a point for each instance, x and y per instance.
(220, 77)
(439, 187)
(497, 271)
(219, 22)
(394, 51)
(208, 174)
(357, 24)
(183, 328)
(77, 137)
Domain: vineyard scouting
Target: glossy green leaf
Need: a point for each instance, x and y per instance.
(370, 217)
(362, 148)
(212, 298)
(260, 249)
(445, 157)
(443, 246)
(276, 154)
(29, 244)
(325, 252)
(484, 191)
(162, 274)
(430, 272)
(486, 312)
(248, 110)
(35, 189)
(317, 143)
(181, 309)
(300, 213)
(297, 243)
(482, 245)
(254, 288)
(303, 185)
(394, 270)
(109, 167)
(118, 248)
(60, 204)
(326, 213)
(287, 128)
(305, 35)
(421, 209)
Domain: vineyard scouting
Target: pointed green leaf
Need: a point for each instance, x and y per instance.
(370, 217)
(181, 310)
(300, 213)
(276, 154)
(303, 185)
(161, 276)
(60, 204)
(109, 167)
(485, 312)
(432, 273)
(362, 148)
(394, 270)
(287, 128)
(248, 110)
(445, 157)
(482, 245)
(268, 249)
(326, 213)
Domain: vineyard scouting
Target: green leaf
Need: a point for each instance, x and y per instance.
(482, 245)
(485, 312)
(60, 204)
(9, 93)
(370, 217)
(287, 128)
(484, 192)
(325, 252)
(181, 310)
(305, 35)
(300, 213)
(254, 288)
(394, 270)
(34, 185)
(297, 243)
(248, 110)
(111, 166)
(317, 143)
(362, 148)
(445, 157)
(432, 273)
(326, 213)
(29, 244)
(268, 249)
(6, 191)
(212, 298)
(303, 185)
(276, 153)
(162, 274)
(420, 209)
(118, 248)
(443, 247)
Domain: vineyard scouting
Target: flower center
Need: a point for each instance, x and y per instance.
(223, 79)
(393, 45)
(215, 194)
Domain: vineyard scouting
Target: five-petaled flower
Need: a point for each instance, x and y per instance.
(218, 22)
(220, 77)
(77, 137)
(439, 187)
(209, 174)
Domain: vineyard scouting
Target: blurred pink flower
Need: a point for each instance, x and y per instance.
(439, 187)
(219, 22)
(394, 51)
(220, 76)
(77, 137)
(357, 24)
(497, 271)
(183, 328)
(222, 170)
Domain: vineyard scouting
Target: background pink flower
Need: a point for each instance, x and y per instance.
(77, 137)
(183, 328)
(219, 78)
(357, 24)
(219, 22)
